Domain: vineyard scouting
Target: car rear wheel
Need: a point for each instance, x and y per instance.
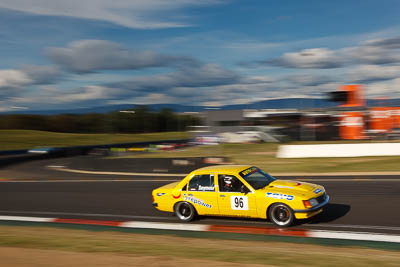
(281, 215)
(185, 211)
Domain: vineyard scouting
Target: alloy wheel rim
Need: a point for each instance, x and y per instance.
(281, 215)
(183, 211)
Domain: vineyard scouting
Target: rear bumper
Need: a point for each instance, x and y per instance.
(155, 204)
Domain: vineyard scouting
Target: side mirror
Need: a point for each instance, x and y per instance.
(244, 189)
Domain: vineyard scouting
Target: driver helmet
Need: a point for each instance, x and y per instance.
(228, 181)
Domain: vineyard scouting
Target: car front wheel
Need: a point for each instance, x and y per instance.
(184, 211)
(281, 215)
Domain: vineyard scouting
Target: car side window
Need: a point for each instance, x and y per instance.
(184, 188)
(229, 183)
(203, 183)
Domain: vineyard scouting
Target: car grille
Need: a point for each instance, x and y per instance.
(321, 198)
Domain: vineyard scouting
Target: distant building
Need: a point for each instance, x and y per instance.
(220, 121)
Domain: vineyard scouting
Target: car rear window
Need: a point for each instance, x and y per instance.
(204, 182)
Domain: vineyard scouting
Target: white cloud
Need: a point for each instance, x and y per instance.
(153, 98)
(309, 79)
(368, 73)
(90, 55)
(42, 74)
(13, 78)
(384, 88)
(55, 97)
(14, 83)
(141, 14)
(207, 75)
(371, 55)
(375, 51)
(314, 58)
(251, 45)
(388, 43)
(87, 93)
(185, 92)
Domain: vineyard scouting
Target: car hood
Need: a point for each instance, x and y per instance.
(293, 185)
(294, 188)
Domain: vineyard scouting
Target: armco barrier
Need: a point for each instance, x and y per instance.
(339, 150)
(17, 156)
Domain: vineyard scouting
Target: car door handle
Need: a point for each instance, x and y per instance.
(190, 195)
(222, 195)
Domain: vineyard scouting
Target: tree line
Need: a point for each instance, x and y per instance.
(138, 120)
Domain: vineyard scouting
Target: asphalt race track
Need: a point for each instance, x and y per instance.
(39, 188)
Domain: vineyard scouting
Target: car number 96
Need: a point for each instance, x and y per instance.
(239, 203)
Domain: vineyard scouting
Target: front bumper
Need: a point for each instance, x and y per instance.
(315, 208)
(155, 204)
(307, 215)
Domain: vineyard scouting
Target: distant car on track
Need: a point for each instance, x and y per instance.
(240, 191)
(45, 150)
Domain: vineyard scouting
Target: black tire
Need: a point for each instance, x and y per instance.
(184, 211)
(281, 215)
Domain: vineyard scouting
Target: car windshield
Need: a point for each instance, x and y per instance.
(256, 177)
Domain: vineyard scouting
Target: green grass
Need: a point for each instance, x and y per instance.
(238, 251)
(26, 139)
(263, 156)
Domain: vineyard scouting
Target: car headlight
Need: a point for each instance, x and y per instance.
(310, 203)
(313, 202)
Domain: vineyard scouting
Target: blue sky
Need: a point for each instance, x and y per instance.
(58, 54)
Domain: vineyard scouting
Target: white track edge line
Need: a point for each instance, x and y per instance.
(354, 236)
(87, 214)
(26, 219)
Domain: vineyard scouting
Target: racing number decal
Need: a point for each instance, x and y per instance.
(239, 203)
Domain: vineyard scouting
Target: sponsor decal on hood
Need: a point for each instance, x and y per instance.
(279, 196)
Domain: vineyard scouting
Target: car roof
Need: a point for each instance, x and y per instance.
(224, 168)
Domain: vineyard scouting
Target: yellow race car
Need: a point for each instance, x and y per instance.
(240, 191)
